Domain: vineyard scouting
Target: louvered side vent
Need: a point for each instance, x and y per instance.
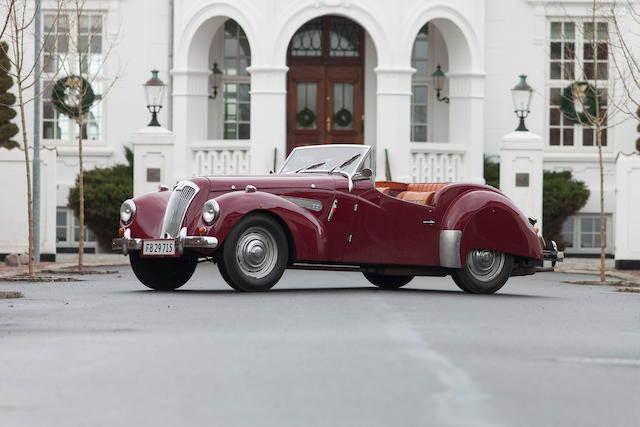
(179, 201)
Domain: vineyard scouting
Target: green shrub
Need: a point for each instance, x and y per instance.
(104, 191)
(562, 196)
(491, 172)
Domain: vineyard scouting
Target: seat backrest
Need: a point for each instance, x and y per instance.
(391, 185)
(420, 197)
(426, 186)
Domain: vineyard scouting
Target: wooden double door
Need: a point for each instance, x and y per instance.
(325, 88)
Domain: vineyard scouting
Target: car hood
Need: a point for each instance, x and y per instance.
(274, 181)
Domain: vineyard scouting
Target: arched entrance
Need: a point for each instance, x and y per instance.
(325, 83)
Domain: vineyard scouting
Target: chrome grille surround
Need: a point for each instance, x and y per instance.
(179, 201)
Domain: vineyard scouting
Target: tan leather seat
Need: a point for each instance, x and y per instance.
(420, 197)
(426, 186)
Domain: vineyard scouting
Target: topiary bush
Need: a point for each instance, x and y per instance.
(104, 191)
(562, 196)
(7, 129)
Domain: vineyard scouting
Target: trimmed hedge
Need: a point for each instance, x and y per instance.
(562, 197)
(104, 191)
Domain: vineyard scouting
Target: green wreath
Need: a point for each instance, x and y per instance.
(71, 95)
(305, 117)
(343, 117)
(567, 105)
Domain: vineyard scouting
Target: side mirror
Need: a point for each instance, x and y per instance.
(364, 174)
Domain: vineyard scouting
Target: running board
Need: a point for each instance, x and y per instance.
(378, 269)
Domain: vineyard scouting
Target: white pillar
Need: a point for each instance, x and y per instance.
(521, 171)
(466, 122)
(268, 117)
(627, 226)
(190, 115)
(393, 103)
(153, 159)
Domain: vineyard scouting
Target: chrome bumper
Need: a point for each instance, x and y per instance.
(127, 243)
(553, 255)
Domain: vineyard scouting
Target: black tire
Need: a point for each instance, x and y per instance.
(254, 254)
(485, 271)
(163, 274)
(387, 281)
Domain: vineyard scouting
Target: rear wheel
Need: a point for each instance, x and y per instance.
(254, 254)
(163, 274)
(485, 271)
(387, 281)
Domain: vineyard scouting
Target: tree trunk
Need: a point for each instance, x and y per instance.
(81, 197)
(26, 162)
(602, 237)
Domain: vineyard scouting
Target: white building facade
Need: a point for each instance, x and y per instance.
(299, 72)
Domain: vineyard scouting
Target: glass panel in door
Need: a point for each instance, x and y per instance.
(343, 106)
(306, 105)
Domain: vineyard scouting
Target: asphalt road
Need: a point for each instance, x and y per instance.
(320, 349)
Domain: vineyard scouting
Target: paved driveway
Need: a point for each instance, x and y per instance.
(321, 349)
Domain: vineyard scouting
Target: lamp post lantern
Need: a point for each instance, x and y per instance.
(154, 90)
(217, 75)
(522, 94)
(438, 82)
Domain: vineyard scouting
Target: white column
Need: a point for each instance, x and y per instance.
(153, 159)
(393, 103)
(268, 117)
(521, 171)
(466, 122)
(627, 226)
(190, 104)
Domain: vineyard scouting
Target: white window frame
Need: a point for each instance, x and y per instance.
(70, 226)
(417, 81)
(577, 146)
(98, 80)
(577, 234)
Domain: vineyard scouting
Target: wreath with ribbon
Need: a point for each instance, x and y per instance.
(305, 117)
(587, 93)
(71, 95)
(343, 117)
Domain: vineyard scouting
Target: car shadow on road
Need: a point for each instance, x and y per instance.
(337, 290)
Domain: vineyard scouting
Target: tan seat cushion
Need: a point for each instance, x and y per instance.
(426, 186)
(420, 197)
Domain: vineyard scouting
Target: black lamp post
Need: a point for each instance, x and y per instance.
(522, 94)
(438, 81)
(217, 75)
(154, 89)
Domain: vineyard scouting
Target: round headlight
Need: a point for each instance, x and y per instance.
(127, 211)
(210, 211)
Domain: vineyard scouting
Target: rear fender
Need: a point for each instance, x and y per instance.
(308, 234)
(490, 220)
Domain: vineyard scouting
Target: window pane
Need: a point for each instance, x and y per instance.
(554, 116)
(307, 41)
(230, 67)
(230, 112)
(244, 114)
(555, 70)
(588, 51)
(306, 105)
(419, 133)
(554, 136)
(603, 72)
(420, 94)
(567, 136)
(569, 51)
(556, 30)
(344, 37)
(230, 47)
(243, 46)
(554, 96)
(230, 131)
(588, 31)
(420, 49)
(243, 92)
(229, 91)
(568, 71)
(230, 28)
(420, 114)
(569, 31)
(587, 136)
(243, 131)
(588, 70)
(342, 106)
(567, 232)
(556, 48)
(603, 31)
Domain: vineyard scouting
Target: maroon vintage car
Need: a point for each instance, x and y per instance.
(323, 210)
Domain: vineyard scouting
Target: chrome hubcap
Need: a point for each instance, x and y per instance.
(256, 252)
(485, 264)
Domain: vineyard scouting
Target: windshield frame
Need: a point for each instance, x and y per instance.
(349, 176)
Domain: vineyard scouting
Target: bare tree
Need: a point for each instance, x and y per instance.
(20, 18)
(88, 55)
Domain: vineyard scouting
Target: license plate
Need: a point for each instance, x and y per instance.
(158, 248)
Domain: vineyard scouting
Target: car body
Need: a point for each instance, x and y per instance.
(323, 210)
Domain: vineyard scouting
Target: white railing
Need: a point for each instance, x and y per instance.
(220, 157)
(436, 161)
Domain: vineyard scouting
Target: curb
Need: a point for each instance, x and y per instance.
(61, 266)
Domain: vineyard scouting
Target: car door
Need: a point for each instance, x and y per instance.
(387, 230)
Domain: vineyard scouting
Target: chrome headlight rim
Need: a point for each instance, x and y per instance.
(127, 211)
(210, 211)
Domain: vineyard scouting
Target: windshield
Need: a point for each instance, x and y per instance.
(325, 158)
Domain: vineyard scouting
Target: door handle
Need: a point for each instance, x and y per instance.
(429, 222)
(328, 124)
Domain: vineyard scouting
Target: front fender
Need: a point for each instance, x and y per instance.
(490, 220)
(308, 234)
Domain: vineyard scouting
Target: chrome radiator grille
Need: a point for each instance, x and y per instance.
(179, 201)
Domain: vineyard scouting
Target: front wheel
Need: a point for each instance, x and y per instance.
(485, 271)
(162, 274)
(387, 281)
(254, 254)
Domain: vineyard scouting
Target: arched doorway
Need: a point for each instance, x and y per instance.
(325, 83)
